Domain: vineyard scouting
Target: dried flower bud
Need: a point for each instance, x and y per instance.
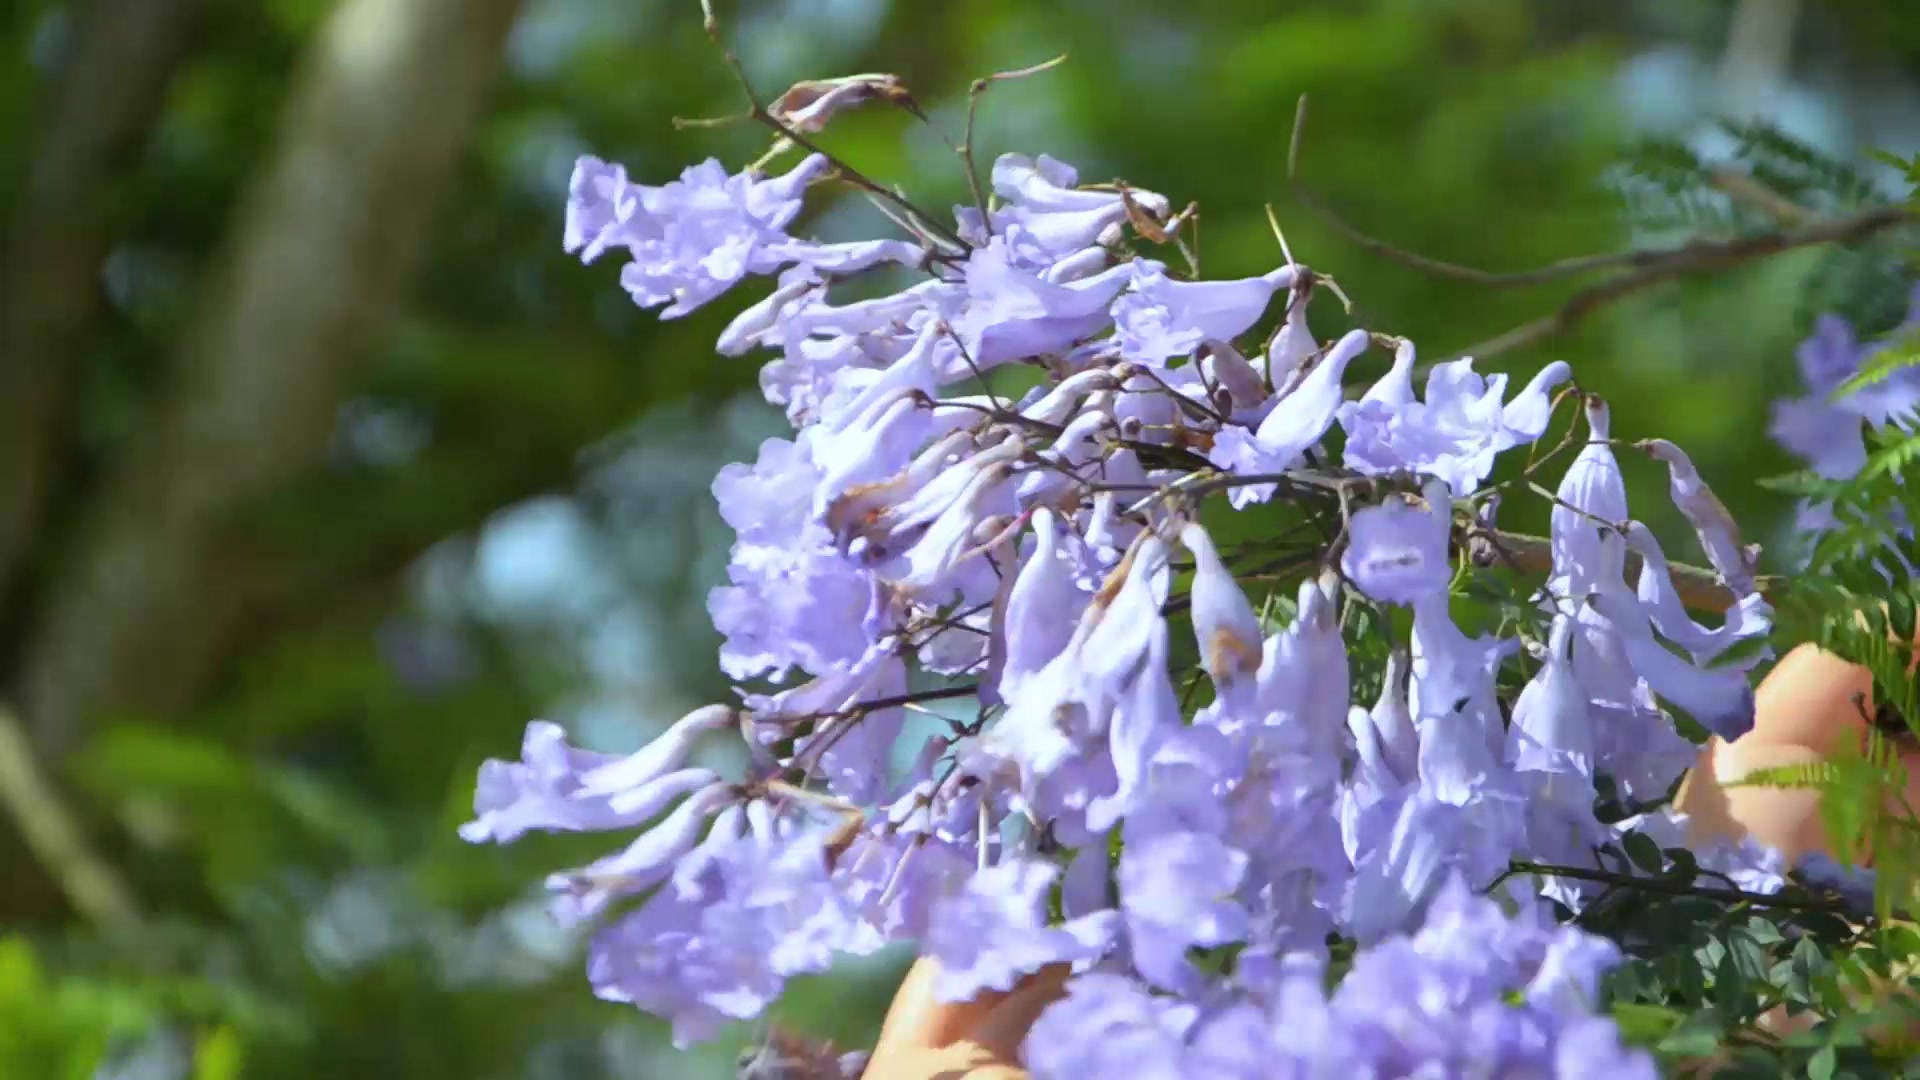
(809, 105)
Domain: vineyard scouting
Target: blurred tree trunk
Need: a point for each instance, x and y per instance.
(105, 98)
(319, 257)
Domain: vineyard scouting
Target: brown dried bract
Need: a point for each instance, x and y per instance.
(809, 105)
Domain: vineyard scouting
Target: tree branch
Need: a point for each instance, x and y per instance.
(107, 94)
(1698, 587)
(1678, 888)
(321, 251)
(53, 836)
(1692, 258)
(1539, 275)
(1643, 268)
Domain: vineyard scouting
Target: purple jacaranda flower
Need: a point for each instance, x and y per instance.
(852, 739)
(1292, 347)
(1110, 1025)
(1013, 314)
(1084, 888)
(927, 569)
(1721, 699)
(1042, 606)
(1825, 427)
(1395, 874)
(894, 880)
(1246, 393)
(1147, 709)
(1158, 319)
(1434, 1004)
(1640, 747)
(694, 238)
(1098, 707)
(761, 325)
(793, 600)
(1223, 620)
(881, 522)
(1589, 1048)
(1719, 534)
(1395, 388)
(1294, 426)
(1453, 674)
(1828, 437)
(1397, 551)
(996, 930)
(1301, 694)
(1593, 490)
(1455, 432)
(553, 787)
(1176, 889)
(1751, 616)
(667, 751)
(1551, 731)
(581, 895)
(1385, 738)
(1047, 219)
(743, 913)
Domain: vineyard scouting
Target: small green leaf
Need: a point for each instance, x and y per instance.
(1644, 853)
(1820, 1066)
(1683, 867)
(1644, 1025)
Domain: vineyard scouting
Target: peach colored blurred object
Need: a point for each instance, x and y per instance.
(1811, 704)
(979, 1039)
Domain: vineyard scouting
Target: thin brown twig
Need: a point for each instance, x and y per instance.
(965, 147)
(1689, 259)
(1668, 887)
(1699, 588)
(758, 113)
(1643, 268)
(1742, 187)
(1539, 275)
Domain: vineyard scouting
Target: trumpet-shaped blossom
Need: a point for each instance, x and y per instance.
(1158, 318)
(1455, 432)
(1294, 426)
(1719, 535)
(1397, 552)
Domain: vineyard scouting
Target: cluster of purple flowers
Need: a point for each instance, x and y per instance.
(913, 542)
(1825, 429)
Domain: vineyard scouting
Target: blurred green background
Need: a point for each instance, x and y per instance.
(323, 469)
